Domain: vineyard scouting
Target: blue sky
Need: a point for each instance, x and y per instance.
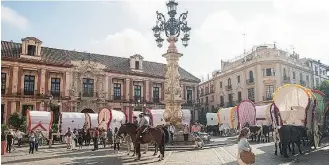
(123, 28)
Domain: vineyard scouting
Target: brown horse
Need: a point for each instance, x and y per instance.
(153, 134)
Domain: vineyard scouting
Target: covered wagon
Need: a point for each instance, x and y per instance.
(39, 120)
(227, 119)
(297, 106)
(108, 118)
(156, 116)
(246, 113)
(72, 120)
(263, 114)
(212, 119)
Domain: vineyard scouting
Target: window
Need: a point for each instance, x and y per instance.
(220, 84)
(117, 91)
(202, 91)
(238, 79)
(207, 100)
(239, 97)
(207, 90)
(251, 94)
(317, 82)
(26, 107)
(293, 75)
(137, 92)
(156, 94)
(301, 76)
(3, 83)
(229, 82)
(269, 92)
(136, 64)
(55, 88)
(29, 85)
(222, 101)
(211, 88)
(212, 98)
(251, 76)
(230, 100)
(268, 72)
(31, 50)
(189, 95)
(284, 74)
(316, 70)
(88, 87)
(2, 113)
(201, 100)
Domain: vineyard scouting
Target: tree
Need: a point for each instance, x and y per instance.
(16, 121)
(324, 87)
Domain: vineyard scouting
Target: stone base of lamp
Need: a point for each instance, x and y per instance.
(173, 113)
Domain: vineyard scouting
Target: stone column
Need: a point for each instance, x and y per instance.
(172, 89)
(147, 90)
(15, 79)
(127, 86)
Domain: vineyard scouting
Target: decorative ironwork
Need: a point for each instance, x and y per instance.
(173, 26)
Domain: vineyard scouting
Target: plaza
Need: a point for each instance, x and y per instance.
(223, 153)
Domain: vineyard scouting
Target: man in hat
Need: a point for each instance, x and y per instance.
(135, 121)
(142, 125)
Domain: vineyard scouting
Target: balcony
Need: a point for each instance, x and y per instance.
(286, 80)
(267, 98)
(29, 92)
(115, 98)
(55, 93)
(58, 95)
(228, 88)
(250, 81)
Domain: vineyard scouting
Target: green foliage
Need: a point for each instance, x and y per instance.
(324, 87)
(17, 121)
(4, 127)
(54, 127)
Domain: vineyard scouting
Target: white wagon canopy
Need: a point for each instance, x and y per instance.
(72, 120)
(156, 116)
(39, 120)
(212, 119)
(111, 119)
(262, 114)
(227, 117)
(136, 113)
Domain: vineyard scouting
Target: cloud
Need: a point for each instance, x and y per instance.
(219, 35)
(12, 17)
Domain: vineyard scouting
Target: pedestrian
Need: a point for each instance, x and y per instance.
(186, 132)
(19, 136)
(75, 137)
(172, 131)
(95, 139)
(116, 139)
(32, 142)
(68, 135)
(80, 139)
(50, 138)
(110, 136)
(10, 139)
(104, 137)
(243, 145)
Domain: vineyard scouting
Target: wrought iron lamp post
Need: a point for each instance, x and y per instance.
(173, 28)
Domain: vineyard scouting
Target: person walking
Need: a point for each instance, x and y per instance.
(104, 137)
(19, 136)
(186, 132)
(110, 136)
(95, 139)
(243, 144)
(172, 131)
(32, 142)
(68, 135)
(10, 139)
(50, 138)
(116, 139)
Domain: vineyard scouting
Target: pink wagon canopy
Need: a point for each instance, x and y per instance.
(246, 113)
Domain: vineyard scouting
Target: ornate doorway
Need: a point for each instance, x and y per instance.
(86, 110)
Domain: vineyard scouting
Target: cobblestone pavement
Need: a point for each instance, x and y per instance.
(225, 155)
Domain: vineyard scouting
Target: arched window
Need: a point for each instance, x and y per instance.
(251, 76)
(284, 74)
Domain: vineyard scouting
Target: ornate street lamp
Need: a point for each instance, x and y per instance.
(171, 27)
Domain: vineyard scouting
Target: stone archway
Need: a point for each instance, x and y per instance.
(87, 110)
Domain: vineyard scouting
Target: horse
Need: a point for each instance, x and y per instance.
(290, 134)
(130, 129)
